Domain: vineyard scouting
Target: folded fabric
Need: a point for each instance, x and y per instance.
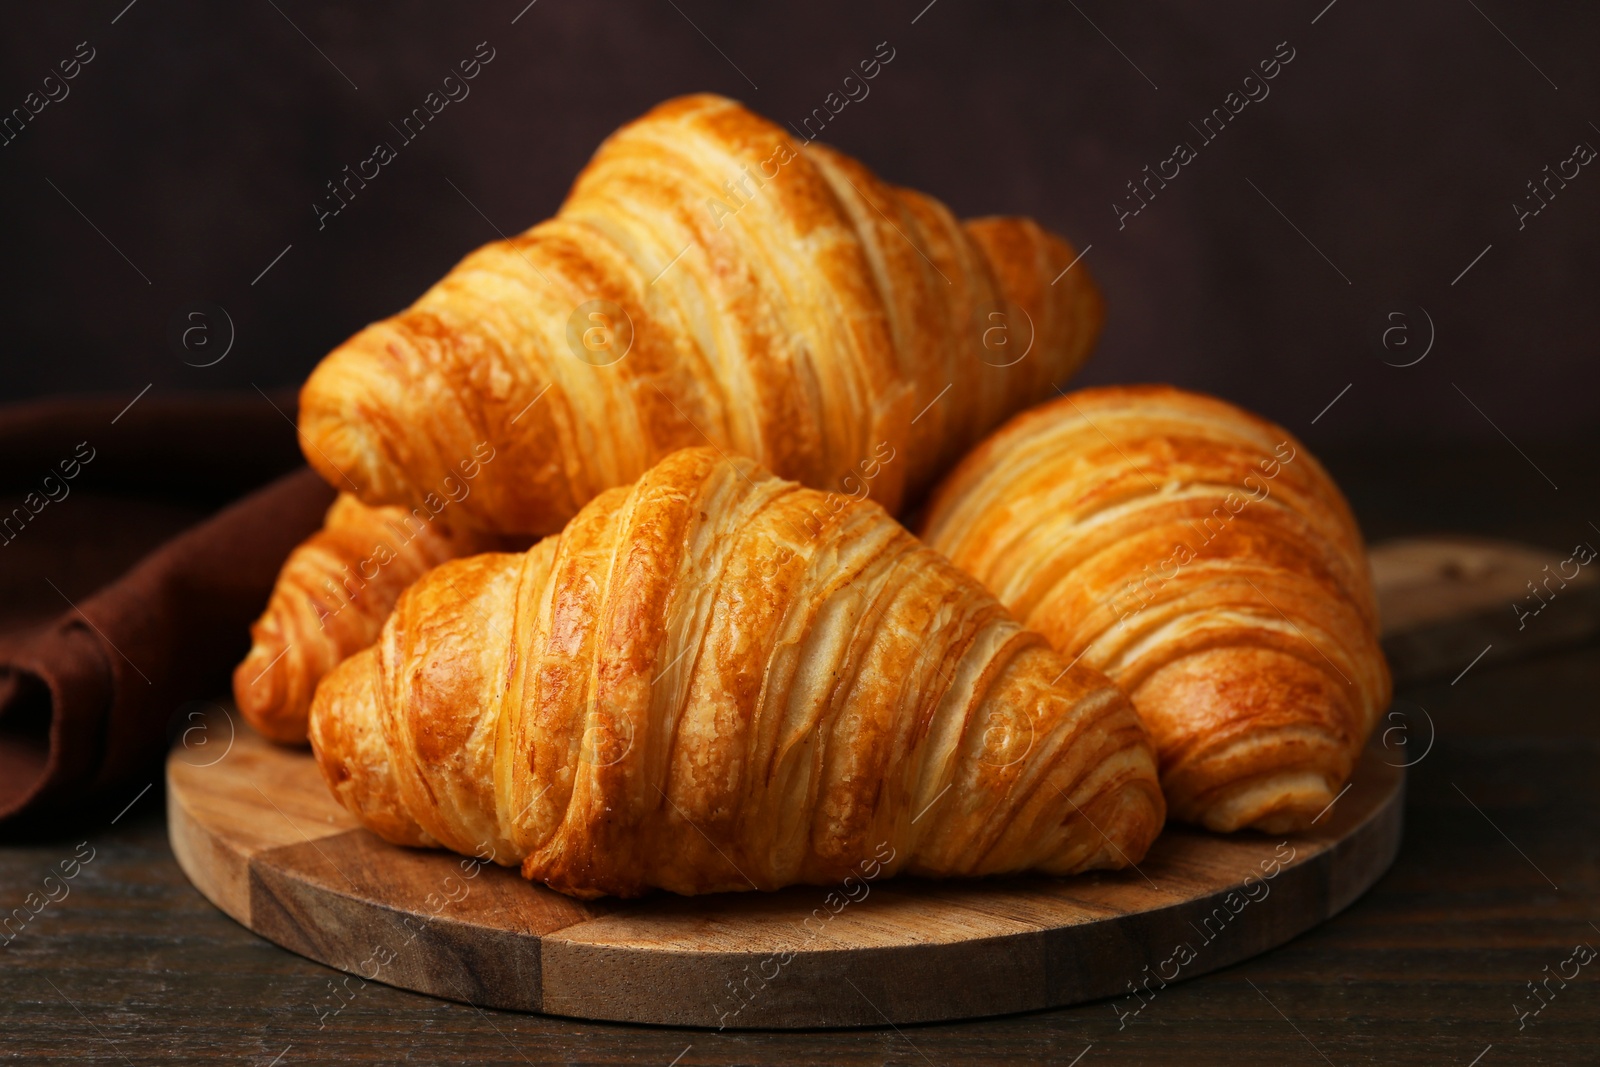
(86, 701)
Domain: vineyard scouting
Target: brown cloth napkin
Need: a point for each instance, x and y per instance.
(86, 700)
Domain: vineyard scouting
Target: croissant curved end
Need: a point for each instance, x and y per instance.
(1254, 738)
(348, 741)
(1040, 271)
(264, 689)
(1282, 804)
(350, 409)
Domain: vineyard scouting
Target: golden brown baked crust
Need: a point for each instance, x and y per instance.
(718, 680)
(782, 302)
(1205, 561)
(330, 600)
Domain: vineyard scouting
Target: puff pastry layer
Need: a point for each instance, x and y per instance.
(708, 280)
(716, 680)
(331, 598)
(1200, 557)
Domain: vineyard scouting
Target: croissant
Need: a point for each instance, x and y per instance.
(718, 680)
(1205, 561)
(707, 281)
(330, 600)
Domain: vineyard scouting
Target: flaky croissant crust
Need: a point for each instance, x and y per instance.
(330, 600)
(1203, 559)
(718, 680)
(771, 298)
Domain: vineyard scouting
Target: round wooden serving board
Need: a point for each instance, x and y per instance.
(257, 832)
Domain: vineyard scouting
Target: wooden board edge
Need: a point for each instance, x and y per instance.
(1380, 837)
(980, 978)
(489, 968)
(853, 987)
(219, 871)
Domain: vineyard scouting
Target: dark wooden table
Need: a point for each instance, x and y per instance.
(1497, 884)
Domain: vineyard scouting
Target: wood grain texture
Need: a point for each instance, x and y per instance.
(1444, 600)
(259, 834)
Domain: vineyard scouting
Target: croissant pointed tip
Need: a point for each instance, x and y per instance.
(262, 689)
(347, 741)
(337, 440)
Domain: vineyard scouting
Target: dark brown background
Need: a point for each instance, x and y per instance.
(1396, 140)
